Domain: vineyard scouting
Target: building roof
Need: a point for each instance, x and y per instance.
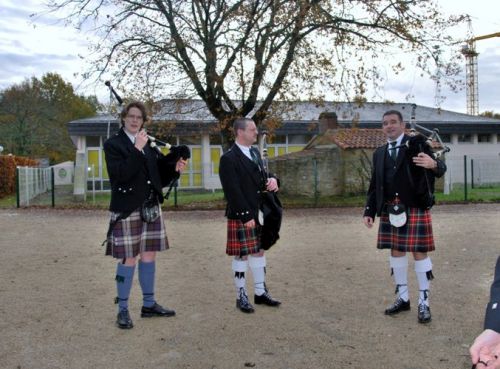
(350, 138)
(192, 117)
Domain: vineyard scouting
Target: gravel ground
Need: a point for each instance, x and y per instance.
(58, 288)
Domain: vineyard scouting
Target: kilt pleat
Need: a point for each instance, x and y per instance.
(415, 236)
(241, 240)
(132, 236)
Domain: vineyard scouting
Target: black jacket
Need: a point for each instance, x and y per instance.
(132, 174)
(242, 181)
(492, 319)
(408, 181)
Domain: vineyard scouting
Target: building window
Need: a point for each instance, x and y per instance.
(277, 139)
(190, 140)
(215, 139)
(299, 139)
(445, 137)
(483, 138)
(215, 154)
(93, 141)
(464, 138)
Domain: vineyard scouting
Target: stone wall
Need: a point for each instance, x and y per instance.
(323, 171)
(326, 171)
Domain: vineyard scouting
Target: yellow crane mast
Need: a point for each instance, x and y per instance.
(471, 83)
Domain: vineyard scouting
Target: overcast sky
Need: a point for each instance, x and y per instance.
(28, 49)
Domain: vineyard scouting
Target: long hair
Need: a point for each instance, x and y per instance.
(134, 104)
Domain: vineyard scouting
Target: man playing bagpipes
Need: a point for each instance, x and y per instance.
(137, 174)
(401, 194)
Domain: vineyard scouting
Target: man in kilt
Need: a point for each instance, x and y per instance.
(243, 178)
(136, 173)
(397, 183)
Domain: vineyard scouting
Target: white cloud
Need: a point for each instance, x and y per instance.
(35, 46)
(33, 49)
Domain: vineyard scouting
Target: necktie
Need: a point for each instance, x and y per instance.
(254, 156)
(392, 150)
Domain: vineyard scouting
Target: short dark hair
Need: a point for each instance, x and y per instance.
(134, 104)
(395, 112)
(240, 123)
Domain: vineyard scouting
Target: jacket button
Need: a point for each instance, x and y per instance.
(149, 182)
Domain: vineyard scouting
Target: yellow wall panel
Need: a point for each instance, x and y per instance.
(93, 161)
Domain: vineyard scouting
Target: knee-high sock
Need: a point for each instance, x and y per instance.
(258, 266)
(399, 266)
(239, 267)
(147, 282)
(423, 269)
(124, 278)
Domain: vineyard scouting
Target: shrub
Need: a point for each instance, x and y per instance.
(8, 164)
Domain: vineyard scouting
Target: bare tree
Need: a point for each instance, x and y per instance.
(240, 56)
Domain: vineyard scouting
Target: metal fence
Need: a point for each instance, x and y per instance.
(32, 182)
(474, 171)
(347, 177)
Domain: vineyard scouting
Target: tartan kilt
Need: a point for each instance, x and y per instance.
(241, 240)
(132, 236)
(415, 236)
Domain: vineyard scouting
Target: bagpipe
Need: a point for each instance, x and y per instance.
(432, 144)
(178, 152)
(270, 205)
(417, 141)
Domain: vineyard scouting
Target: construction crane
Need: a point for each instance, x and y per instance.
(471, 84)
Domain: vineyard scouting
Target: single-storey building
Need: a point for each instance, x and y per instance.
(189, 122)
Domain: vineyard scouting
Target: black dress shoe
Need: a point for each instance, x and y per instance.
(424, 314)
(123, 320)
(398, 306)
(156, 310)
(243, 304)
(266, 299)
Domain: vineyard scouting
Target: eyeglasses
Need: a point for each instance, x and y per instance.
(134, 117)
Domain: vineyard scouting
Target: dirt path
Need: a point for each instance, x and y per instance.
(57, 290)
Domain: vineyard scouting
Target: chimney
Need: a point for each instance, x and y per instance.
(327, 120)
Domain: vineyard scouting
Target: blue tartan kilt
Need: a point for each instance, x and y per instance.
(132, 236)
(415, 236)
(241, 240)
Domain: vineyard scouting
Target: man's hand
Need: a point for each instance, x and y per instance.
(485, 350)
(141, 140)
(249, 224)
(272, 185)
(368, 221)
(180, 165)
(425, 161)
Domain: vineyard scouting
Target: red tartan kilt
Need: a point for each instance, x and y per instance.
(415, 236)
(241, 240)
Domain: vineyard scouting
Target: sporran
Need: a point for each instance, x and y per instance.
(397, 214)
(150, 209)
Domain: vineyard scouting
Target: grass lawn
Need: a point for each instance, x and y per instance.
(191, 199)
